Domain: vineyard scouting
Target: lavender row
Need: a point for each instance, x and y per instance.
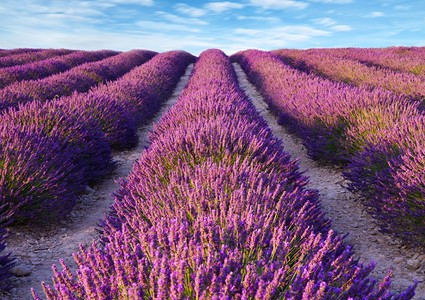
(50, 151)
(214, 209)
(28, 57)
(47, 67)
(72, 136)
(123, 104)
(418, 52)
(79, 79)
(353, 72)
(6, 52)
(377, 134)
(381, 58)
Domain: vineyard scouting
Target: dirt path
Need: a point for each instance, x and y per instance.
(346, 211)
(37, 250)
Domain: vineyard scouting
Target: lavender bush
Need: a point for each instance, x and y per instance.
(80, 79)
(376, 133)
(412, 52)
(117, 125)
(31, 56)
(47, 67)
(59, 146)
(380, 57)
(354, 72)
(122, 105)
(143, 90)
(38, 175)
(7, 52)
(79, 133)
(213, 211)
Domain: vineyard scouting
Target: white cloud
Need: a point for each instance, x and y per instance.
(95, 40)
(333, 1)
(245, 31)
(137, 2)
(278, 4)
(342, 28)
(258, 18)
(219, 7)
(162, 26)
(325, 21)
(375, 14)
(177, 19)
(402, 7)
(189, 10)
(285, 32)
(272, 38)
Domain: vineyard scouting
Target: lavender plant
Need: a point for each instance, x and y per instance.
(7, 52)
(47, 67)
(79, 134)
(80, 79)
(143, 90)
(380, 57)
(31, 56)
(377, 133)
(213, 211)
(121, 105)
(354, 72)
(117, 125)
(38, 180)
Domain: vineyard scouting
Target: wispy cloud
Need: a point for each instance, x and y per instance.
(273, 38)
(285, 32)
(165, 27)
(177, 19)
(402, 7)
(342, 28)
(325, 21)
(279, 4)
(136, 2)
(333, 1)
(219, 7)
(190, 10)
(258, 18)
(246, 31)
(375, 14)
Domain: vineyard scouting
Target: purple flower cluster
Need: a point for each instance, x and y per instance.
(79, 79)
(214, 209)
(379, 57)
(121, 105)
(378, 134)
(47, 67)
(50, 151)
(337, 68)
(143, 90)
(418, 52)
(28, 57)
(7, 52)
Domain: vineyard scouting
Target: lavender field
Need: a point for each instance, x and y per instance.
(214, 206)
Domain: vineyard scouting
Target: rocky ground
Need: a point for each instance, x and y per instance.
(37, 249)
(345, 210)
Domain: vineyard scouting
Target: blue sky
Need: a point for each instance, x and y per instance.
(198, 25)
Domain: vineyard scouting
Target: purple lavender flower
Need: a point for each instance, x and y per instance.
(377, 134)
